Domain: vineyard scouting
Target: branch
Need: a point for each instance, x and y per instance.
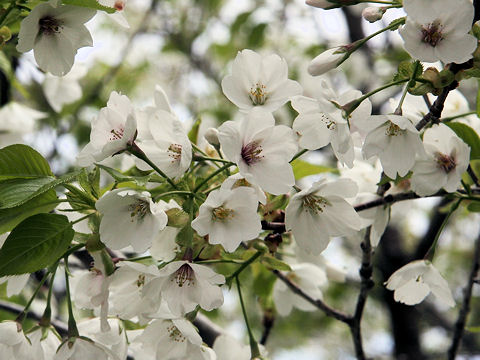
(462, 316)
(329, 311)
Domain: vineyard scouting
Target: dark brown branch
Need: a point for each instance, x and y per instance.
(208, 330)
(268, 322)
(329, 311)
(465, 309)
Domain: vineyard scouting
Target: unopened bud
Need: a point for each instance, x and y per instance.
(211, 135)
(326, 61)
(5, 35)
(372, 13)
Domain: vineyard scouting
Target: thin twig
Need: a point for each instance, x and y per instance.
(329, 311)
(465, 309)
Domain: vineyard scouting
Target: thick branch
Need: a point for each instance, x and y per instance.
(329, 311)
(462, 316)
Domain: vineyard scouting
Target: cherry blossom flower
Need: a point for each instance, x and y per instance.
(13, 343)
(170, 340)
(113, 129)
(434, 32)
(317, 213)
(258, 81)
(237, 180)
(130, 218)
(81, 348)
(228, 348)
(45, 343)
(413, 282)
(127, 284)
(326, 61)
(307, 277)
(63, 90)
(55, 33)
(229, 217)
(163, 138)
(117, 16)
(184, 285)
(395, 141)
(446, 159)
(164, 247)
(320, 123)
(261, 150)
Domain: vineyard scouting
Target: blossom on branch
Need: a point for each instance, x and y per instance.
(55, 33)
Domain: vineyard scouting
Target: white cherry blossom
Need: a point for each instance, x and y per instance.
(258, 81)
(307, 277)
(446, 158)
(164, 247)
(44, 345)
(433, 31)
(229, 217)
(79, 348)
(395, 141)
(113, 129)
(261, 150)
(237, 180)
(175, 339)
(184, 285)
(320, 212)
(228, 348)
(130, 218)
(55, 33)
(413, 282)
(13, 343)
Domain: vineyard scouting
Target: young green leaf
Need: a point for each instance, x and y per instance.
(35, 243)
(21, 161)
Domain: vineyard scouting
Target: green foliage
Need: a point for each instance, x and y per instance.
(35, 243)
(121, 178)
(467, 134)
(274, 263)
(302, 168)
(21, 161)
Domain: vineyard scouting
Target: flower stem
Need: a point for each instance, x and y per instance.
(47, 314)
(297, 155)
(212, 175)
(255, 351)
(206, 158)
(245, 264)
(72, 325)
(81, 219)
(411, 83)
(137, 152)
(22, 315)
(450, 118)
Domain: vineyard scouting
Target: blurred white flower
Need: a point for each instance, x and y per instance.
(112, 130)
(55, 33)
(63, 90)
(18, 118)
(435, 30)
(117, 16)
(395, 141)
(229, 217)
(45, 343)
(446, 158)
(130, 218)
(184, 285)
(13, 343)
(307, 277)
(261, 150)
(413, 282)
(228, 348)
(15, 283)
(316, 214)
(258, 81)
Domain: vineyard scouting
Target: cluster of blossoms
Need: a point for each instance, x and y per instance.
(162, 294)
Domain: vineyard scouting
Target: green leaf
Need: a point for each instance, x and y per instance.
(21, 161)
(474, 207)
(467, 134)
(473, 329)
(35, 243)
(478, 99)
(275, 264)
(302, 168)
(193, 133)
(92, 4)
(15, 192)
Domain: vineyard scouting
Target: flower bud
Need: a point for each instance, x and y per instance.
(372, 13)
(326, 61)
(322, 4)
(211, 135)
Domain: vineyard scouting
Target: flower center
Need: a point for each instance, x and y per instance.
(432, 33)
(175, 152)
(221, 214)
(138, 209)
(141, 280)
(251, 152)
(116, 134)
(119, 5)
(393, 130)
(331, 125)
(49, 25)
(445, 162)
(314, 204)
(175, 334)
(258, 94)
(184, 275)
